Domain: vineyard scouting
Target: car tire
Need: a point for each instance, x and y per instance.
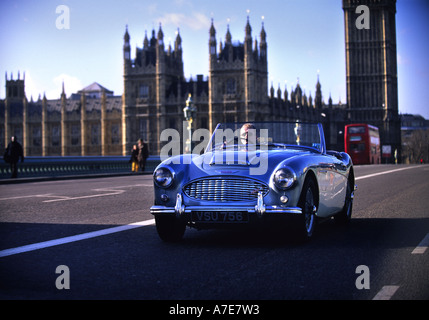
(169, 228)
(308, 203)
(345, 215)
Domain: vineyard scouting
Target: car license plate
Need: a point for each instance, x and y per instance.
(220, 216)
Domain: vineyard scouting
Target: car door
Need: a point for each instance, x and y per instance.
(332, 185)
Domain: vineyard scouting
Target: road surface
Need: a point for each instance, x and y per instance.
(95, 239)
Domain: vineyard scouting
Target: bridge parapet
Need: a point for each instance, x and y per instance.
(73, 165)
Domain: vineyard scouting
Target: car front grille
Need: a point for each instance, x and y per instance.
(223, 189)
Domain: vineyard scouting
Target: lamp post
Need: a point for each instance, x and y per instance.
(190, 112)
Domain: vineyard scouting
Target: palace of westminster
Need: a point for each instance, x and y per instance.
(94, 121)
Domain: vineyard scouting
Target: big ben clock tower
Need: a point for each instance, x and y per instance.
(371, 67)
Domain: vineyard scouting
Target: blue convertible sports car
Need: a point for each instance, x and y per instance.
(251, 174)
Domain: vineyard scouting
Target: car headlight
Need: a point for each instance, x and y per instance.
(284, 178)
(163, 177)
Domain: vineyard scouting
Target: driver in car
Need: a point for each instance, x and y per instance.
(248, 135)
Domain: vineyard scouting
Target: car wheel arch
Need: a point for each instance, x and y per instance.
(311, 175)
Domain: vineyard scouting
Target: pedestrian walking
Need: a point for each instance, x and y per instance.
(12, 154)
(143, 153)
(134, 159)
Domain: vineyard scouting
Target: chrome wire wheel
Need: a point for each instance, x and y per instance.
(309, 212)
(309, 208)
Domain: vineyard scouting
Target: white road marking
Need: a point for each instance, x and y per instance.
(30, 196)
(385, 172)
(110, 192)
(386, 293)
(423, 245)
(113, 191)
(83, 236)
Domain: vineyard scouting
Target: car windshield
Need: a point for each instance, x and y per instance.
(267, 135)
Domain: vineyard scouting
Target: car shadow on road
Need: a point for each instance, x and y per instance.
(360, 232)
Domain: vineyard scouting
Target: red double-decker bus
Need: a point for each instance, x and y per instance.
(362, 143)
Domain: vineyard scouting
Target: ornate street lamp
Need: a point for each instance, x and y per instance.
(190, 112)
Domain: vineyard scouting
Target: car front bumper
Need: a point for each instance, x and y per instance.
(260, 209)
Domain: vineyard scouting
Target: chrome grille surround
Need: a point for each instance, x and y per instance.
(225, 189)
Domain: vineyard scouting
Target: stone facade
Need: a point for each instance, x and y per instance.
(95, 122)
(236, 89)
(80, 125)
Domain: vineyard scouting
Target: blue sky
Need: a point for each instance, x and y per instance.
(305, 38)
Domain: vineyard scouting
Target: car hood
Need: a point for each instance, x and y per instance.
(251, 163)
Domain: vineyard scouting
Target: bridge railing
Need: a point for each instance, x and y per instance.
(73, 165)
